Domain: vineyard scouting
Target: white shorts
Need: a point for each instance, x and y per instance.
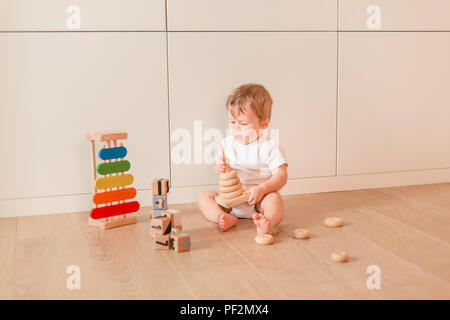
(244, 210)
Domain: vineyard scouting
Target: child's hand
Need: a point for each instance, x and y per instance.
(255, 194)
(221, 166)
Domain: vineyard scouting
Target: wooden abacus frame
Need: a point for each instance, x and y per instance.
(111, 215)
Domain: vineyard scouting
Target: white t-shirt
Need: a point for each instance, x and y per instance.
(255, 162)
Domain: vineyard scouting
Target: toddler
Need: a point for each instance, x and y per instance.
(257, 160)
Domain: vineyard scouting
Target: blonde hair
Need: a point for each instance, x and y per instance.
(253, 95)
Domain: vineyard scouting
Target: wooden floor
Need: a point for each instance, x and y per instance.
(404, 230)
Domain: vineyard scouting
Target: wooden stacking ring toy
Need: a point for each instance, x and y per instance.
(339, 256)
(231, 192)
(333, 222)
(264, 239)
(301, 234)
(228, 175)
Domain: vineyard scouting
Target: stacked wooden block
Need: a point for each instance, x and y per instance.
(165, 224)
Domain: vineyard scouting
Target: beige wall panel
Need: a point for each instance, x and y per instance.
(396, 15)
(55, 87)
(393, 102)
(51, 15)
(252, 15)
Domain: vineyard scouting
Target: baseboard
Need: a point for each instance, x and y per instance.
(82, 202)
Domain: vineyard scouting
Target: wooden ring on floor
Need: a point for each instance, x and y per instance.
(231, 195)
(265, 239)
(339, 256)
(228, 175)
(333, 222)
(230, 188)
(228, 183)
(301, 234)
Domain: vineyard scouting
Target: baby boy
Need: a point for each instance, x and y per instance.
(260, 166)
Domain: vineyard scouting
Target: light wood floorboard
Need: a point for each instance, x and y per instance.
(405, 231)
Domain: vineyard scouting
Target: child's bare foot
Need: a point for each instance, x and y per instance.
(262, 223)
(226, 221)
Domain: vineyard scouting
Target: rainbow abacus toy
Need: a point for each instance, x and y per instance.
(110, 206)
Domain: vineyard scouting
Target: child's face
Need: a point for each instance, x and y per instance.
(245, 126)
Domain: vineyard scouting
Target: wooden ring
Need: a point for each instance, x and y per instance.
(228, 175)
(230, 188)
(301, 234)
(228, 183)
(265, 239)
(333, 222)
(339, 256)
(231, 195)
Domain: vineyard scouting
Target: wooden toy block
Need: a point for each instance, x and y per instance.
(176, 216)
(164, 214)
(230, 191)
(160, 186)
(159, 202)
(157, 213)
(176, 219)
(106, 135)
(177, 229)
(162, 242)
(161, 225)
(171, 216)
(180, 242)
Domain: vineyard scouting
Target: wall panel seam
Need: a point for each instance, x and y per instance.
(337, 88)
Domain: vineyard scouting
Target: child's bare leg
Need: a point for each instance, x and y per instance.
(214, 212)
(271, 207)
